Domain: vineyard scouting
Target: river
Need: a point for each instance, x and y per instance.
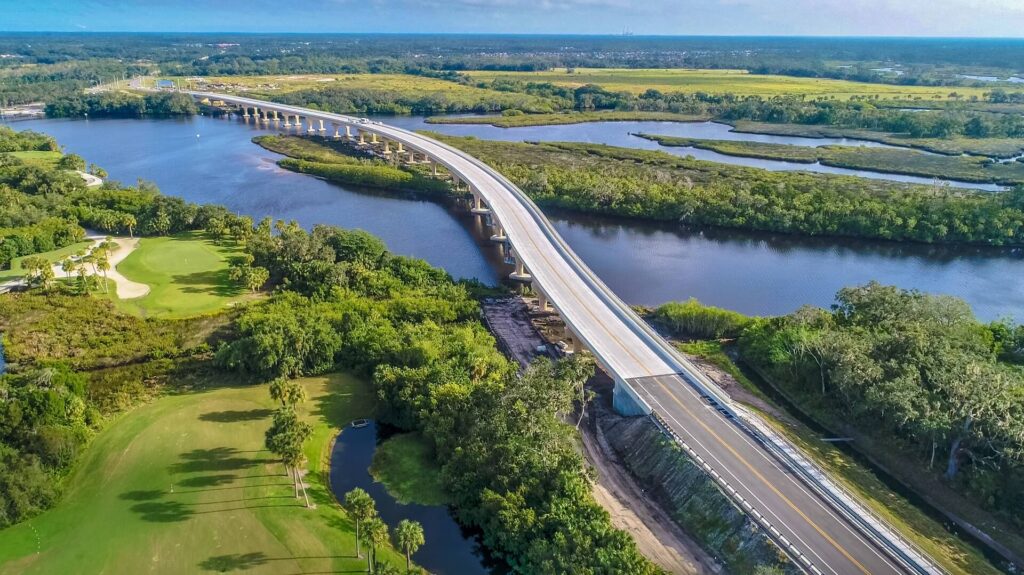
(448, 549)
(209, 160)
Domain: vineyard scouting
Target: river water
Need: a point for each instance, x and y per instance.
(211, 160)
(448, 549)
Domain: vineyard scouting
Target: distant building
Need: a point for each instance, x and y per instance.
(164, 84)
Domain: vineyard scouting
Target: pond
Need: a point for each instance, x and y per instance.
(644, 262)
(449, 550)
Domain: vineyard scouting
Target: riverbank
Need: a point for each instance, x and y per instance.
(887, 160)
(562, 118)
(1001, 148)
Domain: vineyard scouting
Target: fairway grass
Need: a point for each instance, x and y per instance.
(53, 256)
(40, 159)
(184, 485)
(737, 82)
(187, 275)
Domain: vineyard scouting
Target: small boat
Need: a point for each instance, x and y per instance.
(360, 423)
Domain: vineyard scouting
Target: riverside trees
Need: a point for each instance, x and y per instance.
(913, 370)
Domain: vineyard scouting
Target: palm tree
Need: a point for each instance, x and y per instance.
(408, 538)
(102, 264)
(293, 457)
(361, 507)
(375, 534)
(285, 438)
(287, 392)
(68, 266)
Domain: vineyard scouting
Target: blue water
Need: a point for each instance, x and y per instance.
(448, 549)
(643, 262)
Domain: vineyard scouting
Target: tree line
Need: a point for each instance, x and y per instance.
(121, 105)
(507, 457)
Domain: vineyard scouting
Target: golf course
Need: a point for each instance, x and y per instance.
(184, 485)
(187, 275)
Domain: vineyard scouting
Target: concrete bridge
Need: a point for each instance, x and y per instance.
(820, 526)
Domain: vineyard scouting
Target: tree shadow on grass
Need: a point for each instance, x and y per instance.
(233, 562)
(232, 416)
(213, 282)
(216, 459)
(162, 511)
(208, 480)
(142, 495)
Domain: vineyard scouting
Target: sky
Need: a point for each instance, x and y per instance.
(1004, 18)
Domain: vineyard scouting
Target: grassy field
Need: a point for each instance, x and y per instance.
(721, 81)
(566, 118)
(910, 162)
(406, 466)
(992, 147)
(36, 158)
(53, 256)
(953, 554)
(183, 485)
(187, 275)
(400, 85)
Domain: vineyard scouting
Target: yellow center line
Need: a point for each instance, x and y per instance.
(764, 480)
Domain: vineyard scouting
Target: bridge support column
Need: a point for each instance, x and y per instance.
(373, 138)
(625, 401)
(433, 167)
(542, 300)
(311, 129)
(401, 148)
(348, 132)
(521, 274)
(337, 131)
(499, 232)
(287, 120)
(276, 119)
(362, 138)
(387, 148)
(479, 208)
(322, 128)
(245, 112)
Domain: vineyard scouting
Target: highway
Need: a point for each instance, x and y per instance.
(655, 375)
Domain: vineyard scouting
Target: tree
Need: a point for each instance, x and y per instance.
(375, 534)
(39, 270)
(286, 391)
(409, 538)
(285, 438)
(128, 221)
(71, 162)
(361, 507)
(102, 265)
(68, 266)
(255, 277)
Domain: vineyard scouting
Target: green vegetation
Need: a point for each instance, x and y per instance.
(436, 371)
(326, 161)
(952, 146)
(964, 168)
(406, 465)
(521, 120)
(737, 82)
(692, 319)
(38, 158)
(52, 256)
(654, 185)
(381, 94)
(187, 275)
(121, 105)
(184, 485)
(954, 554)
(916, 370)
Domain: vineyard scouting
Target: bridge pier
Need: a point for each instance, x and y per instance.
(625, 401)
(542, 299)
(322, 128)
(348, 132)
(499, 232)
(362, 138)
(311, 129)
(521, 274)
(337, 131)
(479, 208)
